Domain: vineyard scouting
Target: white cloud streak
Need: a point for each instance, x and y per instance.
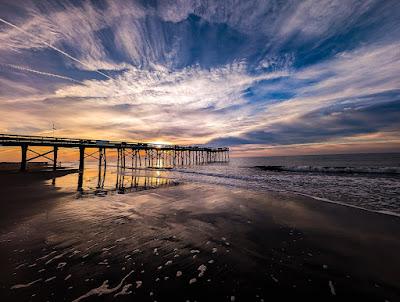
(191, 87)
(51, 46)
(149, 98)
(22, 68)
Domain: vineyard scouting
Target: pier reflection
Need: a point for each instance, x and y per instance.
(103, 179)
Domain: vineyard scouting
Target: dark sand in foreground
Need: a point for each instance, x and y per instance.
(190, 242)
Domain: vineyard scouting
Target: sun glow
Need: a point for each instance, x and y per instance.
(160, 143)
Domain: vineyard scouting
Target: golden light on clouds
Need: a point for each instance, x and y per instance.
(129, 72)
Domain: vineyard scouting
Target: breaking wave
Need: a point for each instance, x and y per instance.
(348, 170)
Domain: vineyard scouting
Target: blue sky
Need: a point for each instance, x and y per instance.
(264, 77)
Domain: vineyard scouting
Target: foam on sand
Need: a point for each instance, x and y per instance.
(273, 278)
(333, 291)
(202, 268)
(25, 285)
(124, 291)
(103, 289)
(21, 265)
(56, 257)
(46, 256)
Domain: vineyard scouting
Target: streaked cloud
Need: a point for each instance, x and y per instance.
(259, 73)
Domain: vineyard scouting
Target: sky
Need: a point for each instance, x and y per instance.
(262, 77)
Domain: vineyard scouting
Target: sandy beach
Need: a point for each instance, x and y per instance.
(193, 242)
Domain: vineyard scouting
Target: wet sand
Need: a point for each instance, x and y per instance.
(23, 194)
(192, 242)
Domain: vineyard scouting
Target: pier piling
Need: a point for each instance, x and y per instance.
(24, 149)
(55, 153)
(81, 158)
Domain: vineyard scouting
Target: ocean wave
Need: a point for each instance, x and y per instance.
(383, 212)
(215, 174)
(320, 169)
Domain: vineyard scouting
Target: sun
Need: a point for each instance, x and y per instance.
(159, 142)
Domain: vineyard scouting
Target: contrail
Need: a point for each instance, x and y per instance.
(53, 47)
(42, 73)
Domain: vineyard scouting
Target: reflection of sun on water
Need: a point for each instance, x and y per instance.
(111, 181)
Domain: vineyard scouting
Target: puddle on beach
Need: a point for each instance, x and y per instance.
(104, 182)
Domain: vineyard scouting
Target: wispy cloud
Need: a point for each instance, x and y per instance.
(359, 81)
(190, 104)
(47, 44)
(265, 73)
(22, 68)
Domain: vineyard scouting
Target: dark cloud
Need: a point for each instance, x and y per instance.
(326, 124)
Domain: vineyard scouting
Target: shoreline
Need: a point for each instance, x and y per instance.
(316, 198)
(388, 213)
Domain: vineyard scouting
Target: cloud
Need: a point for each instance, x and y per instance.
(192, 87)
(40, 72)
(319, 18)
(47, 44)
(228, 72)
(191, 104)
(344, 86)
(102, 36)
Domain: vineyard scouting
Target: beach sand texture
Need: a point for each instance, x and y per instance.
(193, 242)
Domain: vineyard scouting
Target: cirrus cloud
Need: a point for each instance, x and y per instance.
(240, 72)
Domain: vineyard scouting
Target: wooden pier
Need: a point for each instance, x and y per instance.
(129, 154)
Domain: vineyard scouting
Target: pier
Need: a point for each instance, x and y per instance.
(129, 154)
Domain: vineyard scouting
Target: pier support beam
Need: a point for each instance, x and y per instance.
(24, 149)
(100, 157)
(81, 158)
(55, 158)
